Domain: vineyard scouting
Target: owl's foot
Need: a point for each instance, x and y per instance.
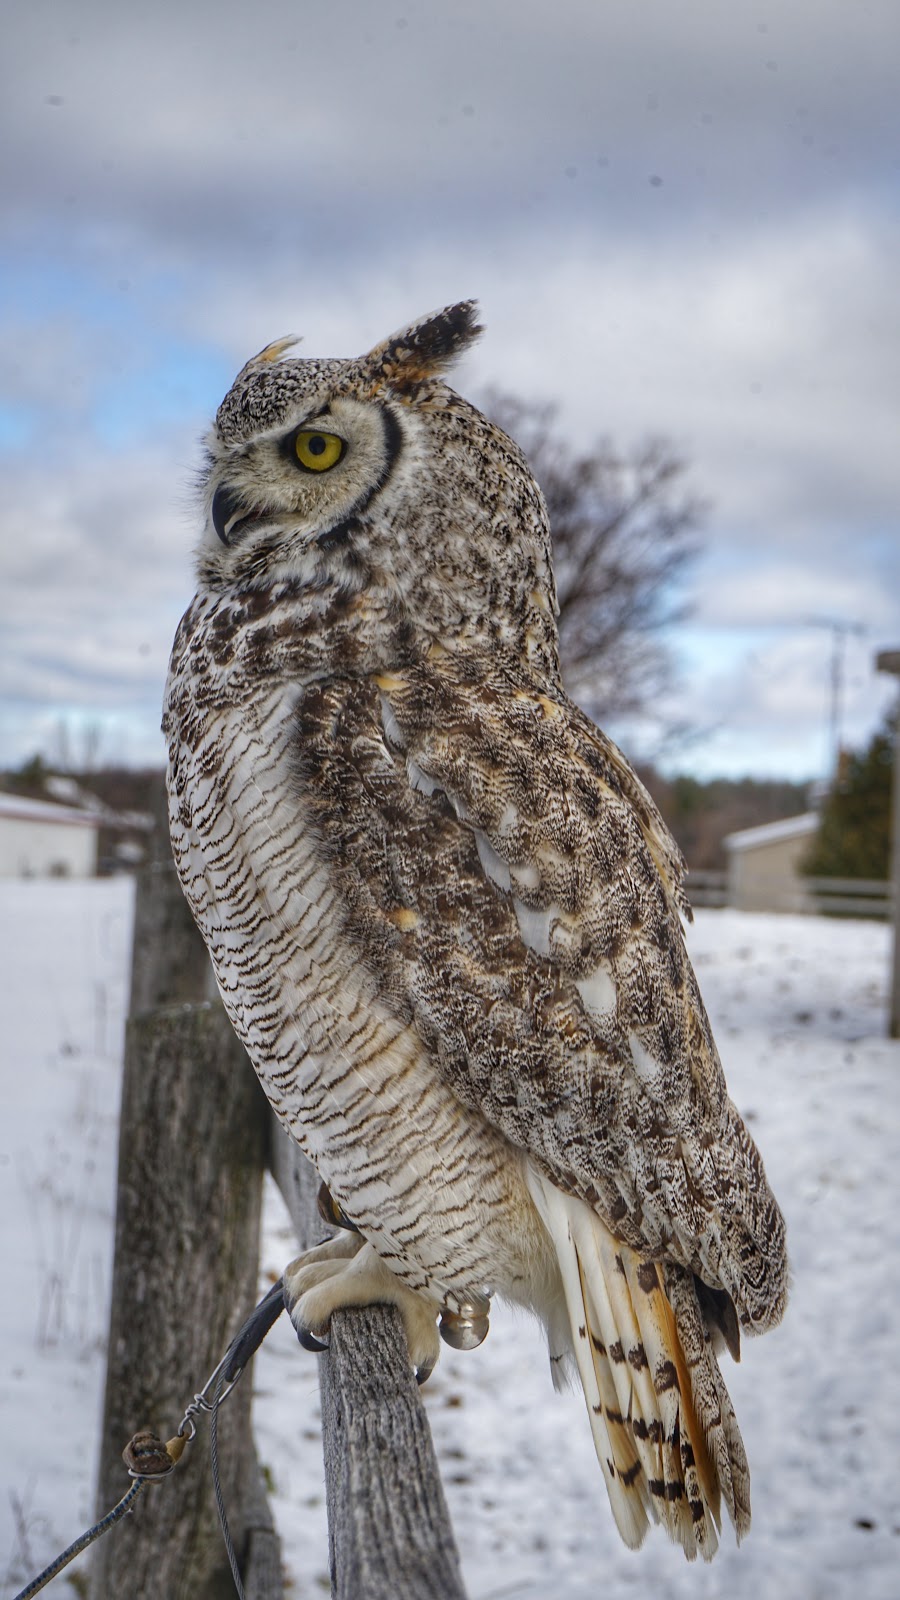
(346, 1271)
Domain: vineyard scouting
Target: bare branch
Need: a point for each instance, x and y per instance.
(624, 535)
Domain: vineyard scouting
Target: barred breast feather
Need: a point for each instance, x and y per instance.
(341, 1066)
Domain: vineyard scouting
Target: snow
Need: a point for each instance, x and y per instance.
(66, 949)
(798, 1005)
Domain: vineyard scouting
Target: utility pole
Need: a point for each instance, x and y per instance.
(889, 661)
(840, 629)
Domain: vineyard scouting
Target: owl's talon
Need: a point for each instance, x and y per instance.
(347, 1271)
(308, 1339)
(305, 1335)
(331, 1212)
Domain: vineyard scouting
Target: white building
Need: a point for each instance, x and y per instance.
(41, 840)
(763, 865)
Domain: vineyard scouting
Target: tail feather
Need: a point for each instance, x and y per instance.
(626, 1460)
(688, 1481)
(663, 1424)
(711, 1399)
(614, 1330)
(615, 1450)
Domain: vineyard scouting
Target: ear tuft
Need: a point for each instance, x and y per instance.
(426, 347)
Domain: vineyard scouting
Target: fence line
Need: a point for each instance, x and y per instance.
(849, 897)
(707, 888)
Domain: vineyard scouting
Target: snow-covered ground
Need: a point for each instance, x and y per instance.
(65, 953)
(799, 1009)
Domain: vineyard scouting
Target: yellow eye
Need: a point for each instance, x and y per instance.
(317, 451)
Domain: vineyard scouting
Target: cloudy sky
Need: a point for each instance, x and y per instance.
(681, 217)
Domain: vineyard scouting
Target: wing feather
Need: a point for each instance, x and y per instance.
(543, 960)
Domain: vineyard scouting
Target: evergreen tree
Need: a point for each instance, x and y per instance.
(853, 840)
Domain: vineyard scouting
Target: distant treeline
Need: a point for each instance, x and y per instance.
(701, 813)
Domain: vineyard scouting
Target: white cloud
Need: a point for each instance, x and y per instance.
(796, 594)
(331, 172)
(97, 563)
(762, 704)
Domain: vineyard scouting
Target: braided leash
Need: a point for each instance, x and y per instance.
(149, 1460)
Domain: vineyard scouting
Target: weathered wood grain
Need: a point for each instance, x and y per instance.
(169, 963)
(192, 1152)
(185, 1277)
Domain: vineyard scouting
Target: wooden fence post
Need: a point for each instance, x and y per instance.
(889, 661)
(389, 1530)
(192, 1151)
(194, 1138)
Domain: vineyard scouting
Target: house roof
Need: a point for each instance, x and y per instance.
(19, 808)
(773, 832)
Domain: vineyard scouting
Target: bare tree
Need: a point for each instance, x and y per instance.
(624, 533)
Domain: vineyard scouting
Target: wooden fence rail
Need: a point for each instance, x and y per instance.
(195, 1139)
(707, 888)
(849, 897)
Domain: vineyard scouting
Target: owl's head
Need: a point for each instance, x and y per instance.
(373, 474)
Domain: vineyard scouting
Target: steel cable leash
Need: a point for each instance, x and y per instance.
(150, 1461)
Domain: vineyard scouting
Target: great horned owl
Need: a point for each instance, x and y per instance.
(444, 915)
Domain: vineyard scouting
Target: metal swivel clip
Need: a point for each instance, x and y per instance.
(466, 1327)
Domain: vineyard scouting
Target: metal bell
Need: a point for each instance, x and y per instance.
(330, 1211)
(467, 1327)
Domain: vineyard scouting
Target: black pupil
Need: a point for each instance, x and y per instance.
(316, 445)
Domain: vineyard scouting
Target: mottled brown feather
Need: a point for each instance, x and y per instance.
(674, 1173)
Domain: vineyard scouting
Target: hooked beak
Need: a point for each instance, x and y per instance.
(230, 513)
